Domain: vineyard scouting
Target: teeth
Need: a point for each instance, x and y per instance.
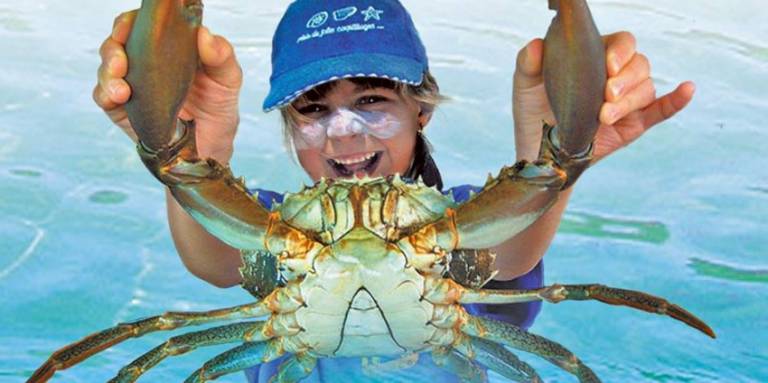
(355, 160)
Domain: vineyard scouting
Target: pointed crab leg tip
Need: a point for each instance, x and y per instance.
(686, 317)
(661, 306)
(697, 324)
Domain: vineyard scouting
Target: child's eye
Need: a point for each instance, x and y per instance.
(312, 109)
(372, 99)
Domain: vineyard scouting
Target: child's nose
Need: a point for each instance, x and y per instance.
(343, 123)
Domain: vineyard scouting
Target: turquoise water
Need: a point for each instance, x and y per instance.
(681, 214)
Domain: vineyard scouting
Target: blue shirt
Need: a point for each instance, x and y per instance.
(409, 369)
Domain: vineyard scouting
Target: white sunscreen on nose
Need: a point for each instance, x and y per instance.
(344, 122)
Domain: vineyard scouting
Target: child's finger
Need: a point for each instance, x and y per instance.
(620, 47)
(529, 65)
(111, 94)
(114, 61)
(638, 98)
(122, 26)
(112, 88)
(669, 104)
(633, 74)
(218, 58)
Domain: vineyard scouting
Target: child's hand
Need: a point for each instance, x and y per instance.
(631, 106)
(212, 100)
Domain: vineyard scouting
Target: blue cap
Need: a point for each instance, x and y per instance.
(322, 41)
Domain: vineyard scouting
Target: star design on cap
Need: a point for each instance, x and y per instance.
(372, 13)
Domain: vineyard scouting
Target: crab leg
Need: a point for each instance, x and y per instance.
(447, 291)
(162, 60)
(182, 344)
(284, 301)
(237, 359)
(294, 369)
(94, 343)
(459, 365)
(513, 336)
(497, 358)
(605, 294)
(574, 69)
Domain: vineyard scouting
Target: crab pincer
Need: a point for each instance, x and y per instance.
(574, 77)
(162, 60)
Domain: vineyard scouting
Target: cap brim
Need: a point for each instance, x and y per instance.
(289, 86)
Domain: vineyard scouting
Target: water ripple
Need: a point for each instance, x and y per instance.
(755, 356)
(729, 273)
(10, 142)
(642, 8)
(460, 62)
(252, 45)
(27, 252)
(740, 47)
(109, 197)
(139, 294)
(12, 22)
(664, 377)
(759, 189)
(482, 30)
(593, 225)
(29, 173)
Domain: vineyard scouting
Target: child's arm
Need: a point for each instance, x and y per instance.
(204, 255)
(631, 108)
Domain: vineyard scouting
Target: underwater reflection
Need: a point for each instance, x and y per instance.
(725, 272)
(597, 226)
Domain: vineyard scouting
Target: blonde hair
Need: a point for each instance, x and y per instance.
(427, 94)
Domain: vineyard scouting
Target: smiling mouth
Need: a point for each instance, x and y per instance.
(364, 165)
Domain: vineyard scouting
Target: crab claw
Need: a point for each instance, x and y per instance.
(162, 60)
(574, 76)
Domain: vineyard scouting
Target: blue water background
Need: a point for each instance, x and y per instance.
(681, 214)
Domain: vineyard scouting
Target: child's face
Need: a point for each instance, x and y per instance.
(353, 131)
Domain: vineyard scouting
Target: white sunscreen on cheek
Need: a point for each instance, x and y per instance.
(344, 122)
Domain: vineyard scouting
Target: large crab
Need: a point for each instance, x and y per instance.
(361, 267)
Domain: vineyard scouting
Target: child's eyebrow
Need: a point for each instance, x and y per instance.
(365, 87)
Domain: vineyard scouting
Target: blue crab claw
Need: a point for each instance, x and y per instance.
(574, 76)
(162, 60)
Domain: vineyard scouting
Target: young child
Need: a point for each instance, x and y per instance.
(352, 81)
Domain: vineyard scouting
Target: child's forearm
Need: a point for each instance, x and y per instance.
(204, 255)
(521, 253)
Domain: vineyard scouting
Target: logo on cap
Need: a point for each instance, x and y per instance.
(344, 23)
(372, 13)
(317, 20)
(344, 13)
